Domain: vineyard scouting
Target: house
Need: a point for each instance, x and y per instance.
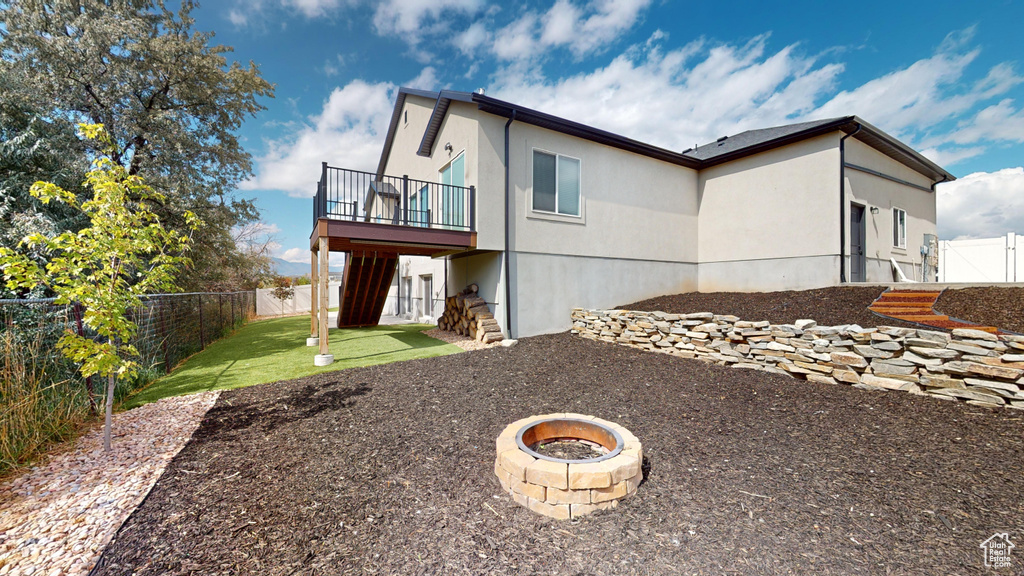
(581, 217)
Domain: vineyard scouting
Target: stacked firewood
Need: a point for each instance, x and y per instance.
(467, 313)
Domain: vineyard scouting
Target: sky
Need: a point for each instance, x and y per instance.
(945, 77)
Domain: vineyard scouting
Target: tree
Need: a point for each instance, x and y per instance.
(125, 252)
(168, 99)
(283, 290)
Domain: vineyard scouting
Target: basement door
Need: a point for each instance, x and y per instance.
(858, 263)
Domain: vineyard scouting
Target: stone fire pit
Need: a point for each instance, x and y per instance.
(566, 488)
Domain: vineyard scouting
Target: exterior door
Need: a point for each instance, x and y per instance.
(427, 302)
(452, 201)
(858, 262)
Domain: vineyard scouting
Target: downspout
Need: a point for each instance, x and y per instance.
(934, 184)
(842, 204)
(508, 278)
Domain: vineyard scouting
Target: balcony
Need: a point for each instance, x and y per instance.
(360, 211)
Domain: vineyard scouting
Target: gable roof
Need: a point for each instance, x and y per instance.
(752, 142)
(723, 150)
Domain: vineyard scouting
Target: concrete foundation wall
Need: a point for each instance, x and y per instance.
(547, 287)
(769, 274)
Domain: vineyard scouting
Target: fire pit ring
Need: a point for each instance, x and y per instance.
(554, 429)
(568, 488)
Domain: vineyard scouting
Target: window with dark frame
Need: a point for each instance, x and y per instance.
(556, 183)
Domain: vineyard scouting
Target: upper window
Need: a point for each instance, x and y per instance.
(899, 228)
(556, 183)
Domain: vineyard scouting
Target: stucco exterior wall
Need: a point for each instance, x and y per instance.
(458, 129)
(546, 287)
(485, 270)
(872, 191)
(763, 218)
(656, 199)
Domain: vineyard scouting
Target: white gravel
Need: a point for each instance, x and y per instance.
(56, 518)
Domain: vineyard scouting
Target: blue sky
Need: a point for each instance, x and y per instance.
(945, 77)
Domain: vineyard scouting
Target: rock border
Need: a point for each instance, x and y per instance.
(978, 367)
(567, 490)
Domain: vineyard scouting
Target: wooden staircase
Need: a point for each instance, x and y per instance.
(368, 276)
(919, 306)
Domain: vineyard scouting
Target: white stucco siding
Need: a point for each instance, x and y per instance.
(459, 129)
(631, 206)
(873, 191)
(783, 203)
(546, 287)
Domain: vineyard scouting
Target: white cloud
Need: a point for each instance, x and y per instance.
(471, 38)
(349, 132)
(682, 97)
(425, 80)
(413, 20)
(982, 205)
(583, 30)
(312, 8)
(333, 67)
(300, 255)
(1002, 122)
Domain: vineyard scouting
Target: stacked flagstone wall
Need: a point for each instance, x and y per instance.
(970, 365)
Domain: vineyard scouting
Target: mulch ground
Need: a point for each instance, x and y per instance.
(828, 306)
(989, 306)
(389, 470)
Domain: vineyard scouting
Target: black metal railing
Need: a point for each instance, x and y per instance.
(343, 194)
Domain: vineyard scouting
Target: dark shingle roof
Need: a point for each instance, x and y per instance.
(745, 140)
(718, 152)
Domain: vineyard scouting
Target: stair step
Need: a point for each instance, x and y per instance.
(901, 311)
(922, 317)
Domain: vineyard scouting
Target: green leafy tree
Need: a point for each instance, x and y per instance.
(168, 98)
(124, 253)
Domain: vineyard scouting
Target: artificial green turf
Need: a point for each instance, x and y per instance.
(271, 350)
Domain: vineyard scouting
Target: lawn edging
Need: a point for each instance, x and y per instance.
(970, 365)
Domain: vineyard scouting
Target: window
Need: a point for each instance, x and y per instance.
(453, 179)
(556, 183)
(419, 208)
(899, 228)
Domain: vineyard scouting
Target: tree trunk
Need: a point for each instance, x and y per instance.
(111, 381)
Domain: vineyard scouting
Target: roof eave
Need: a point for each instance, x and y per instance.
(550, 122)
(396, 115)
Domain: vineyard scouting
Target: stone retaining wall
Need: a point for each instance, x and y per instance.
(980, 368)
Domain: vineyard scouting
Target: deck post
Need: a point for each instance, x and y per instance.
(314, 280)
(323, 295)
(472, 208)
(405, 200)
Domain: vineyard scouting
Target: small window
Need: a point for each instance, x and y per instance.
(556, 183)
(899, 228)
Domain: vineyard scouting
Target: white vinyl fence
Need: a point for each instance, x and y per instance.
(267, 305)
(983, 260)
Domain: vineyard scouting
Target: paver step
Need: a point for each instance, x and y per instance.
(919, 306)
(901, 304)
(901, 311)
(923, 317)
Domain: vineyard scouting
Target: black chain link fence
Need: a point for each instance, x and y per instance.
(42, 394)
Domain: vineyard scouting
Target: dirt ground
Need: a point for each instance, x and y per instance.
(389, 470)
